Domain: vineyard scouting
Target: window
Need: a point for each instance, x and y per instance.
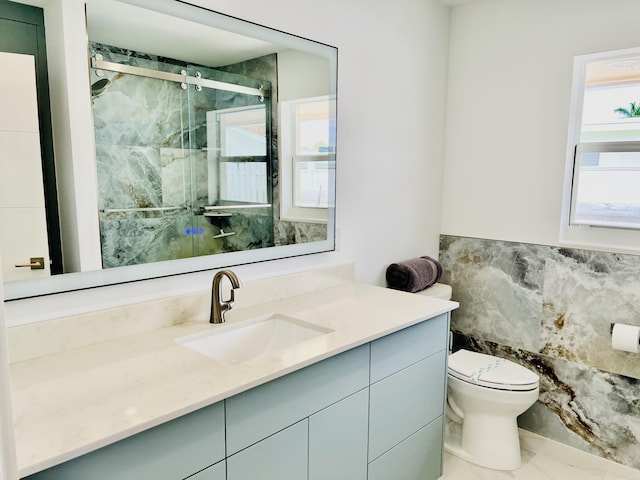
(238, 168)
(308, 163)
(601, 207)
(606, 185)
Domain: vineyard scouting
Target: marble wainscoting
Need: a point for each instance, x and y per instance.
(550, 309)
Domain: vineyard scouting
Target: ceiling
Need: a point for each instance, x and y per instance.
(124, 25)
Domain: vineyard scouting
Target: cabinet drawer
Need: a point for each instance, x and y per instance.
(173, 450)
(283, 456)
(406, 347)
(264, 410)
(338, 437)
(406, 401)
(419, 457)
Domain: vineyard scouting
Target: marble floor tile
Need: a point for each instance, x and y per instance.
(543, 459)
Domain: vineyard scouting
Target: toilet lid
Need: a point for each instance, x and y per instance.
(490, 371)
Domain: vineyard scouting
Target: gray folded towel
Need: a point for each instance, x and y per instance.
(414, 275)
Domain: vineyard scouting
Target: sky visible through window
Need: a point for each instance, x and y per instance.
(601, 102)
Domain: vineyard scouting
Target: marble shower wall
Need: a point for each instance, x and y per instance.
(550, 309)
(150, 148)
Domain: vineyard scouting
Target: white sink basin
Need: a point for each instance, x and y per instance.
(238, 343)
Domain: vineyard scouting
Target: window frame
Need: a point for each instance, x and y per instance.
(594, 237)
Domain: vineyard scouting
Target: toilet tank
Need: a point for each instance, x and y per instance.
(437, 290)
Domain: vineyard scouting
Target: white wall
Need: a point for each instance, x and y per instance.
(508, 109)
(391, 95)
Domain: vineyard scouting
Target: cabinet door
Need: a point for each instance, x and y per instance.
(419, 457)
(214, 472)
(283, 456)
(405, 402)
(338, 438)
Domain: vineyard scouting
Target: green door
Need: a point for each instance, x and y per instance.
(22, 31)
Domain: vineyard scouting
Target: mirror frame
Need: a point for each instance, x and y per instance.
(190, 11)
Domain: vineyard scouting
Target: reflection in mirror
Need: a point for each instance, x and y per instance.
(181, 157)
(214, 144)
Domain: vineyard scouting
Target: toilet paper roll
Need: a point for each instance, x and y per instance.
(625, 338)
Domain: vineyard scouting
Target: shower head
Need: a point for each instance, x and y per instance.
(100, 86)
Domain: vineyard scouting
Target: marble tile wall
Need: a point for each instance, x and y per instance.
(550, 309)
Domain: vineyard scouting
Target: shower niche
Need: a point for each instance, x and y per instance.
(185, 155)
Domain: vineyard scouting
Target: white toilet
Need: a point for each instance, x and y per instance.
(486, 394)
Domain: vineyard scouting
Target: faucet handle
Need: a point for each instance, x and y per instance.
(232, 298)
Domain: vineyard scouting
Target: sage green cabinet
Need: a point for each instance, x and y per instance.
(407, 399)
(418, 457)
(403, 403)
(338, 437)
(282, 456)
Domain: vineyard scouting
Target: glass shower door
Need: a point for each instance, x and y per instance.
(230, 150)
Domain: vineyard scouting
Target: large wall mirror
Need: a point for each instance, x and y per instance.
(212, 144)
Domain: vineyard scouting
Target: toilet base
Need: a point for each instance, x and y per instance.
(486, 441)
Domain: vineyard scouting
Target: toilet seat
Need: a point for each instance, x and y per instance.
(491, 372)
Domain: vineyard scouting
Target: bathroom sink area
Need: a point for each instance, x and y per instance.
(237, 343)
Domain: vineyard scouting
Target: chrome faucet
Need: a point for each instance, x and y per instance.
(218, 306)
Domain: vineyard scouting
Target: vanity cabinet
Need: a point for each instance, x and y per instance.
(374, 412)
(407, 395)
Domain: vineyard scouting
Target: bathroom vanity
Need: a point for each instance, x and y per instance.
(364, 400)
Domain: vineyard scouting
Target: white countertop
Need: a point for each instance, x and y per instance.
(70, 403)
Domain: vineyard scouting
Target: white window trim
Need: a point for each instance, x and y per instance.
(288, 211)
(598, 238)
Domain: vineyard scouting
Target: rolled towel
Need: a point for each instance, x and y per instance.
(414, 275)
